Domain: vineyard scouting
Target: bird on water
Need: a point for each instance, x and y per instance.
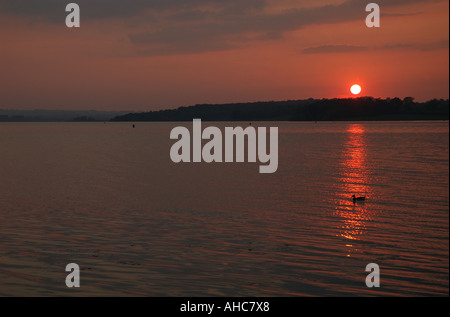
(358, 198)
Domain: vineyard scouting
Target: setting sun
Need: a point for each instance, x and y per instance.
(356, 89)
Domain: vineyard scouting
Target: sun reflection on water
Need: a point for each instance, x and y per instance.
(354, 179)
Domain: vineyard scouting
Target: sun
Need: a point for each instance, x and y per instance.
(356, 89)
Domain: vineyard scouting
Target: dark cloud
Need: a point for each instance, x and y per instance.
(54, 10)
(221, 29)
(183, 26)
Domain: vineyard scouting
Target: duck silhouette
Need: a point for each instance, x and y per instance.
(355, 199)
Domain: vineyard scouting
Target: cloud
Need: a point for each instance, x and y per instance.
(324, 49)
(194, 26)
(327, 49)
(420, 47)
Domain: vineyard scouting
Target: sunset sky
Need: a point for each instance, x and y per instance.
(146, 55)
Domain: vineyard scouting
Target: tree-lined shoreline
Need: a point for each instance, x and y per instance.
(350, 109)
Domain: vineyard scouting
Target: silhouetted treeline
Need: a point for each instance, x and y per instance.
(364, 108)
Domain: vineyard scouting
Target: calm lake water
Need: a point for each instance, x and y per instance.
(108, 197)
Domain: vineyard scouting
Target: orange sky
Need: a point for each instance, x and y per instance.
(149, 55)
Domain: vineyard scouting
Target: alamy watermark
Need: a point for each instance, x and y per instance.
(259, 147)
(373, 19)
(373, 279)
(73, 278)
(73, 18)
(233, 142)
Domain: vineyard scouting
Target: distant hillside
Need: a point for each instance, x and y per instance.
(362, 109)
(57, 115)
